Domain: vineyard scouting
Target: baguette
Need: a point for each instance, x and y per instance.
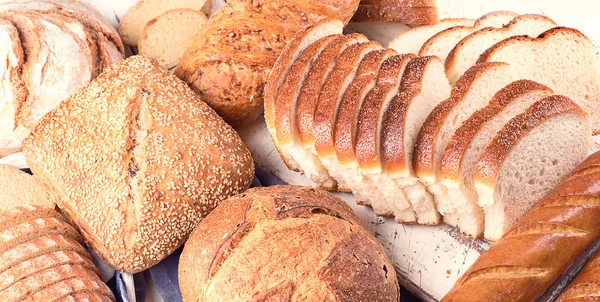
(525, 261)
(586, 287)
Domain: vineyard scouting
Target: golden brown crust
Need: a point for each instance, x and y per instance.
(524, 262)
(332, 92)
(298, 216)
(499, 148)
(463, 136)
(586, 287)
(420, 15)
(368, 139)
(163, 182)
(345, 128)
(73, 284)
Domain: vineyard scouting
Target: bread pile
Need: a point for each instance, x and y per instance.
(537, 249)
(390, 128)
(285, 243)
(138, 160)
(403, 11)
(53, 48)
(230, 58)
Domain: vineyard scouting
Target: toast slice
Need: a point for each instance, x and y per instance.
(309, 95)
(468, 143)
(423, 86)
(368, 141)
(573, 71)
(467, 51)
(328, 105)
(472, 92)
(286, 133)
(442, 42)
(300, 41)
(347, 120)
(510, 179)
(412, 40)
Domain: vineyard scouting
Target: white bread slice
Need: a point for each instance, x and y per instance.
(510, 178)
(345, 127)
(469, 141)
(472, 92)
(412, 40)
(300, 41)
(368, 140)
(570, 65)
(167, 36)
(467, 51)
(135, 19)
(328, 105)
(286, 101)
(423, 86)
(442, 43)
(308, 97)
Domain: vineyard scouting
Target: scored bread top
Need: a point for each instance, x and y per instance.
(347, 119)
(26, 212)
(162, 182)
(333, 92)
(35, 228)
(72, 285)
(370, 117)
(319, 71)
(492, 158)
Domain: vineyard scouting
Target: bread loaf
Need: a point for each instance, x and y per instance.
(540, 246)
(585, 287)
(232, 81)
(402, 11)
(285, 243)
(412, 40)
(20, 188)
(167, 158)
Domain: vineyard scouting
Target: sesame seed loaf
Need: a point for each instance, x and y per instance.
(233, 81)
(303, 244)
(22, 189)
(134, 21)
(167, 158)
(412, 40)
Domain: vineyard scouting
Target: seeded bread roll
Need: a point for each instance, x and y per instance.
(285, 243)
(164, 161)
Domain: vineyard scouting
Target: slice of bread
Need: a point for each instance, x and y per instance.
(510, 179)
(467, 51)
(309, 95)
(369, 140)
(442, 43)
(572, 69)
(21, 189)
(167, 36)
(286, 102)
(472, 92)
(469, 141)
(328, 105)
(299, 42)
(345, 128)
(135, 19)
(412, 40)
(423, 86)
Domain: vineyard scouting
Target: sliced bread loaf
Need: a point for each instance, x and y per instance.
(469, 141)
(290, 144)
(561, 58)
(467, 51)
(472, 92)
(309, 95)
(412, 40)
(167, 36)
(345, 128)
(369, 141)
(300, 41)
(328, 104)
(510, 179)
(423, 86)
(135, 19)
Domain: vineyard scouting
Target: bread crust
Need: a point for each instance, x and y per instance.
(421, 15)
(586, 285)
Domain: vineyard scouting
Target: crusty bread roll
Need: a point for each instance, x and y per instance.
(139, 160)
(285, 243)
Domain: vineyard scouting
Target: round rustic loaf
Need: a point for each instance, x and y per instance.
(285, 243)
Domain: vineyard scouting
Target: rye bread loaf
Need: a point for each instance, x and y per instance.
(302, 244)
(21, 189)
(163, 182)
(233, 81)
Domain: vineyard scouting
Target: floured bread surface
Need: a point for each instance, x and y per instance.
(165, 160)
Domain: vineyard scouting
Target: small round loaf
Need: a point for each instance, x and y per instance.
(285, 243)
